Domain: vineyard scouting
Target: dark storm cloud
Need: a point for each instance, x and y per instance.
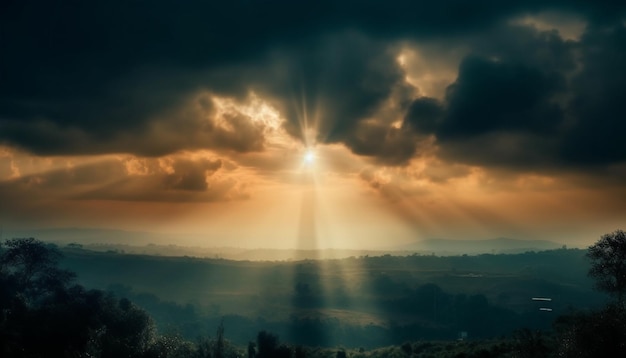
(102, 77)
(425, 114)
(390, 145)
(598, 106)
(491, 95)
(194, 124)
(537, 102)
(345, 76)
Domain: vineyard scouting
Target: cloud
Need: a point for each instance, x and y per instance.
(569, 25)
(425, 115)
(168, 179)
(597, 105)
(539, 103)
(388, 144)
(190, 175)
(489, 95)
(120, 77)
(346, 78)
(193, 124)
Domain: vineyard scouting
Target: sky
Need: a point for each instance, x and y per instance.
(315, 124)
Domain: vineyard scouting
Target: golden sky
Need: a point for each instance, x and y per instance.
(330, 131)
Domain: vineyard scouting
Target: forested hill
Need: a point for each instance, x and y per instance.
(155, 305)
(418, 291)
(560, 273)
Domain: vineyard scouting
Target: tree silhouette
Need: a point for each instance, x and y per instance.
(531, 344)
(219, 341)
(608, 266)
(251, 350)
(128, 329)
(43, 314)
(35, 300)
(30, 267)
(597, 333)
(267, 344)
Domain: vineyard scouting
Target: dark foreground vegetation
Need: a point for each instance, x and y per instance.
(44, 312)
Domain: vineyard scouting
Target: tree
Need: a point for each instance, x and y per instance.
(267, 344)
(43, 314)
(608, 265)
(31, 265)
(128, 329)
(597, 333)
(219, 341)
(530, 344)
(36, 301)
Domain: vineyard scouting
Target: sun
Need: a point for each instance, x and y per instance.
(309, 156)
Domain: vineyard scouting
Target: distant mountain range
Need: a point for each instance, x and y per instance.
(93, 236)
(473, 247)
(138, 242)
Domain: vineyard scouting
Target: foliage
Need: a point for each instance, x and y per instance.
(171, 346)
(281, 296)
(597, 333)
(267, 344)
(531, 344)
(29, 270)
(608, 266)
(44, 314)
